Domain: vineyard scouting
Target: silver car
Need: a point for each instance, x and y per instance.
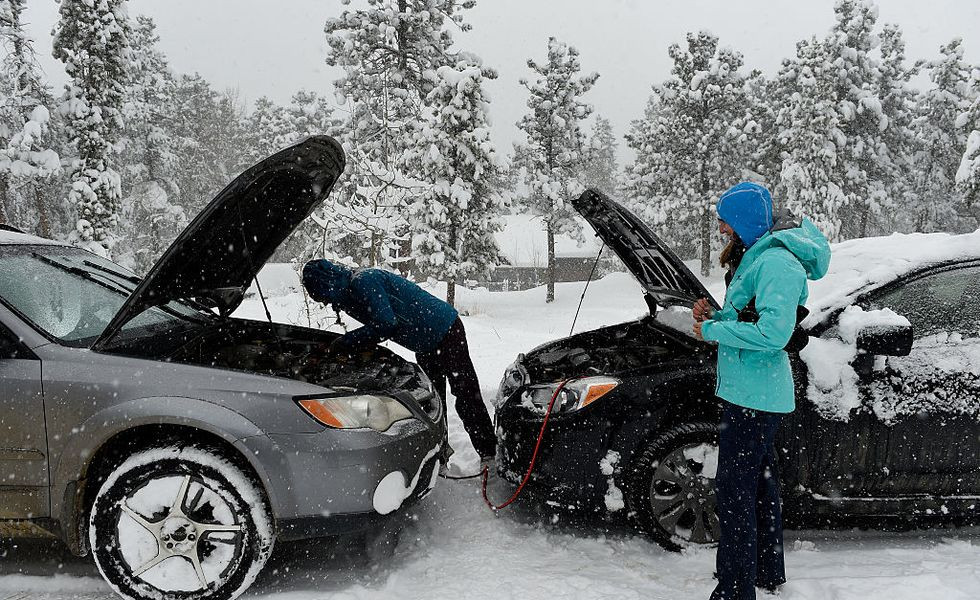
(142, 423)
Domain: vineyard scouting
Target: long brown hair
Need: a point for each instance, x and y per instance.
(731, 255)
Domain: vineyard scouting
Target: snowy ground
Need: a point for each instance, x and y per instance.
(454, 548)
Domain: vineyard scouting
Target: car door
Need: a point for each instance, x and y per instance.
(926, 405)
(23, 440)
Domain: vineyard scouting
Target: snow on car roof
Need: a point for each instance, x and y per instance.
(859, 265)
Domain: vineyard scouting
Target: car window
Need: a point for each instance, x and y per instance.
(948, 301)
(71, 295)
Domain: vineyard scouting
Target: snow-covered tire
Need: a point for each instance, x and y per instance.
(165, 506)
(670, 487)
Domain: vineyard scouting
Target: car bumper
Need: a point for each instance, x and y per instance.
(567, 470)
(335, 481)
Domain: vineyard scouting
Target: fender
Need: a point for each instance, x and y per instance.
(100, 427)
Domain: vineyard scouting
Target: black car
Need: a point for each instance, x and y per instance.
(634, 431)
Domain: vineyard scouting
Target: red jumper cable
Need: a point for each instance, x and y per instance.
(534, 455)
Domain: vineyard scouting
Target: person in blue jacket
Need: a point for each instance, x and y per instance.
(770, 259)
(392, 307)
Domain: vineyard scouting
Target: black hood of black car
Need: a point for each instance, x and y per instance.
(664, 277)
(216, 257)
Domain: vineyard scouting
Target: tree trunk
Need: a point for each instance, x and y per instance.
(4, 189)
(706, 242)
(551, 265)
(43, 223)
(451, 292)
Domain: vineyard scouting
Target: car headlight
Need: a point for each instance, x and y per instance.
(355, 412)
(515, 376)
(576, 395)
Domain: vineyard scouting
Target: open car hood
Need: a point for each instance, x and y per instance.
(666, 279)
(215, 258)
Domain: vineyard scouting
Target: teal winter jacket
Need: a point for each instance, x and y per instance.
(753, 369)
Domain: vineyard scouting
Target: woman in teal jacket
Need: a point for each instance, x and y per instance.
(773, 258)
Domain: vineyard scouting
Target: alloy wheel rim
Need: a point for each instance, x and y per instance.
(196, 529)
(682, 495)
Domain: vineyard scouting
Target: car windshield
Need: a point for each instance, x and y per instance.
(71, 295)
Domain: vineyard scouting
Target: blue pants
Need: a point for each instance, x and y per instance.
(751, 550)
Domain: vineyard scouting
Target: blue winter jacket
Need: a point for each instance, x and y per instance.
(753, 368)
(389, 306)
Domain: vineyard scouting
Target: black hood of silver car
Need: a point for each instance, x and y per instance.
(215, 258)
(664, 277)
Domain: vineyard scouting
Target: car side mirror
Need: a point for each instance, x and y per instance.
(885, 340)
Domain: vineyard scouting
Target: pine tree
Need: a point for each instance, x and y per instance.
(692, 143)
(810, 133)
(555, 142)
(92, 41)
(856, 74)
(455, 218)
(151, 215)
(892, 165)
(968, 172)
(389, 52)
(939, 143)
(210, 130)
(600, 170)
(268, 130)
(28, 155)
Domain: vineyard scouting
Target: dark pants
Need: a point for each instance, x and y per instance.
(751, 550)
(451, 360)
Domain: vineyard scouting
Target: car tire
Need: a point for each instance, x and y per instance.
(180, 522)
(670, 487)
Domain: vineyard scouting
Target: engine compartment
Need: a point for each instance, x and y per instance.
(615, 349)
(298, 353)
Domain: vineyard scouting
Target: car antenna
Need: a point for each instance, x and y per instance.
(582, 299)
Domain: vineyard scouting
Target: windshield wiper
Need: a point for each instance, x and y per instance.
(82, 273)
(137, 280)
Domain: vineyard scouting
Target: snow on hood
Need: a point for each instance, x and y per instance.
(858, 265)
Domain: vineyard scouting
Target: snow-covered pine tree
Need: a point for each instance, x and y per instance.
(600, 170)
(893, 164)
(556, 142)
(92, 41)
(694, 143)
(764, 98)
(863, 157)
(151, 212)
(389, 52)
(940, 143)
(811, 137)
(210, 129)
(968, 172)
(28, 148)
(268, 130)
(457, 214)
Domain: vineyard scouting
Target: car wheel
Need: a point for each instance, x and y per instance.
(180, 522)
(671, 487)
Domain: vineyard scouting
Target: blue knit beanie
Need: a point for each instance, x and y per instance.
(747, 208)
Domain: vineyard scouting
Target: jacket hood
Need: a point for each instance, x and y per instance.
(747, 208)
(802, 239)
(326, 281)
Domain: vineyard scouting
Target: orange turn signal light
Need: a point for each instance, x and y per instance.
(597, 391)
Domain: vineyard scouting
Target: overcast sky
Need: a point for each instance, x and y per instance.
(275, 47)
